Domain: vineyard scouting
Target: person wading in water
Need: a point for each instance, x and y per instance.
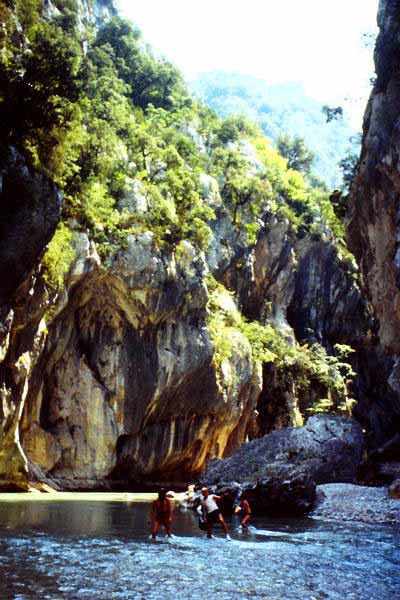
(244, 512)
(212, 512)
(161, 511)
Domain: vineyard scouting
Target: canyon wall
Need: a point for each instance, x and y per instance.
(30, 209)
(374, 212)
(120, 376)
(123, 386)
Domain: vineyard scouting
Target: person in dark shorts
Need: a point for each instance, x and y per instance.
(212, 513)
(244, 512)
(161, 512)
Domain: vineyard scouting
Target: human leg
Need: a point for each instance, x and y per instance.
(223, 524)
(245, 521)
(167, 525)
(209, 528)
(154, 532)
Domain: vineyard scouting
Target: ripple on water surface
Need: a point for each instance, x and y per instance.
(101, 551)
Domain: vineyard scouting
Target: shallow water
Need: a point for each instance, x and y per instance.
(95, 550)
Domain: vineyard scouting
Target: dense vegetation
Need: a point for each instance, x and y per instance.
(283, 110)
(120, 134)
(301, 364)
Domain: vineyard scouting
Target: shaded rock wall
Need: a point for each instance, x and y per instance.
(305, 288)
(374, 214)
(374, 220)
(30, 208)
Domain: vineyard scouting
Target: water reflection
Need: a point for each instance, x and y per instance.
(100, 551)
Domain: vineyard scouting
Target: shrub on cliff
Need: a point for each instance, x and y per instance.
(304, 364)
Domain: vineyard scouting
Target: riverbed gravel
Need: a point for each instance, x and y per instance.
(347, 502)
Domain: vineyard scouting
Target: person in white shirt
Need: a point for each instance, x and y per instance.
(212, 512)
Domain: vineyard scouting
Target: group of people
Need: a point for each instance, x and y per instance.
(161, 513)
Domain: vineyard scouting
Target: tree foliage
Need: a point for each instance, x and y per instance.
(299, 157)
(39, 83)
(280, 108)
(116, 129)
(332, 113)
(305, 364)
(149, 81)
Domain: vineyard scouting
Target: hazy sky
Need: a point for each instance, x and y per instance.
(317, 42)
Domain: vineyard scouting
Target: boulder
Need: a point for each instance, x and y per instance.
(272, 495)
(284, 497)
(327, 449)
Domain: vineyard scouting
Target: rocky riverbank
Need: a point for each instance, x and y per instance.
(348, 502)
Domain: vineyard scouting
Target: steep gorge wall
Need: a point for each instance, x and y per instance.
(116, 377)
(30, 208)
(126, 386)
(374, 213)
(123, 386)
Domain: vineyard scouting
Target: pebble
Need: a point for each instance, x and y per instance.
(348, 502)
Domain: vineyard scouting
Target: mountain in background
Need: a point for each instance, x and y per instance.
(280, 109)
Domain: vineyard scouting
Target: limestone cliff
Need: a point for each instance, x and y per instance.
(374, 219)
(374, 222)
(30, 208)
(125, 386)
(143, 358)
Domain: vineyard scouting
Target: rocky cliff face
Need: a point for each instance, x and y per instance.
(125, 386)
(30, 210)
(95, 12)
(374, 218)
(117, 376)
(311, 294)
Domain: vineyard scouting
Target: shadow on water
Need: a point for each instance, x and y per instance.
(101, 550)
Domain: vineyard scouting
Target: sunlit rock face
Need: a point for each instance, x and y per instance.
(121, 385)
(30, 207)
(126, 387)
(305, 288)
(374, 214)
(95, 12)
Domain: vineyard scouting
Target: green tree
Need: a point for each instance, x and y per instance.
(299, 157)
(150, 81)
(348, 167)
(332, 113)
(39, 89)
(240, 187)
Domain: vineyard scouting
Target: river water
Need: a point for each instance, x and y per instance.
(100, 550)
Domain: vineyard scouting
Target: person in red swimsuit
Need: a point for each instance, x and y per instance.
(244, 512)
(161, 512)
